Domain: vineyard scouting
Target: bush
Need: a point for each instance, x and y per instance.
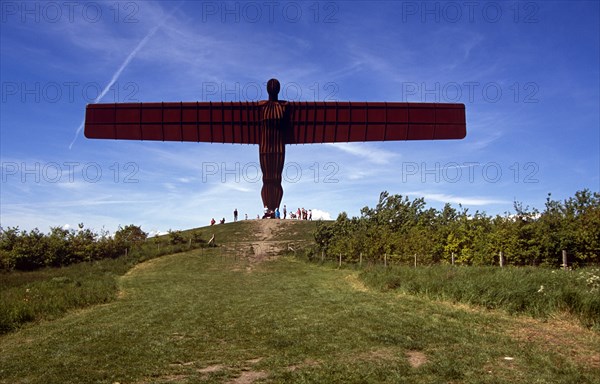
(28, 251)
(176, 237)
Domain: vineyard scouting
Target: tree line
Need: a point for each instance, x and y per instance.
(399, 228)
(30, 250)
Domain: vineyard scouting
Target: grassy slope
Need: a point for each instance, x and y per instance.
(203, 316)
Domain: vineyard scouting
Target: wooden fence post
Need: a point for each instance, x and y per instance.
(501, 259)
(452, 258)
(415, 260)
(340, 265)
(360, 259)
(565, 262)
(385, 260)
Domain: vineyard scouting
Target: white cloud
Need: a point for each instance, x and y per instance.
(368, 152)
(453, 199)
(317, 214)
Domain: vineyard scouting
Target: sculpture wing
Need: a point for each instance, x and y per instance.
(213, 122)
(330, 122)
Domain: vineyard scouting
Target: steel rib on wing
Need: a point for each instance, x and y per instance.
(213, 122)
(310, 122)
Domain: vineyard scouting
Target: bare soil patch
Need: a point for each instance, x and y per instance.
(248, 377)
(211, 368)
(416, 358)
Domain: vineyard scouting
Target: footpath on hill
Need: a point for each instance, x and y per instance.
(261, 240)
(200, 317)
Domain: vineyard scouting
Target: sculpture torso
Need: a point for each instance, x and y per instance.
(272, 151)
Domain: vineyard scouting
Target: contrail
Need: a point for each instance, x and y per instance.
(126, 62)
(123, 66)
(116, 76)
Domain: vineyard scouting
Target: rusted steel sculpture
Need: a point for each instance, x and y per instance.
(274, 123)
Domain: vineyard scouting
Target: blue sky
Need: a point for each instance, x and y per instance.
(528, 73)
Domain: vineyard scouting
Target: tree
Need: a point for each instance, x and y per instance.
(399, 226)
(176, 237)
(130, 235)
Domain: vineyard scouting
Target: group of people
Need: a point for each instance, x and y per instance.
(213, 222)
(299, 214)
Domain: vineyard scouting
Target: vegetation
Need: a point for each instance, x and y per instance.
(205, 317)
(32, 288)
(49, 293)
(28, 251)
(210, 315)
(537, 292)
(86, 276)
(397, 229)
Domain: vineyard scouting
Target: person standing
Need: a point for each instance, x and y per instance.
(284, 211)
(235, 215)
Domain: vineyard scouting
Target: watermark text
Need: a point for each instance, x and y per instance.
(67, 91)
(269, 12)
(254, 91)
(67, 172)
(68, 12)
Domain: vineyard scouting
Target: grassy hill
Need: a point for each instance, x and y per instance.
(228, 315)
(257, 231)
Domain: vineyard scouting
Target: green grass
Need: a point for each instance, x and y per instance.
(202, 317)
(240, 231)
(210, 316)
(537, 292)
(49, 293)
(301, 231)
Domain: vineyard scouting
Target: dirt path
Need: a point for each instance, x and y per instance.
(269, 240)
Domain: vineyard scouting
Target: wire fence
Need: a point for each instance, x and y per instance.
(267, 250)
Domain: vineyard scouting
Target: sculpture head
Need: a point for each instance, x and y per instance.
(273, 88)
